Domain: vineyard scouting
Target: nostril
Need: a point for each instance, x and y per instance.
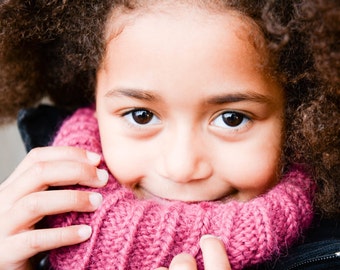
(184, 173)
(183, 158)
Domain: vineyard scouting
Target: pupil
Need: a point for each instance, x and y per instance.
(142, 116)
(232, 119)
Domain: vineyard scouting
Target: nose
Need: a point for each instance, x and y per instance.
(185, 158)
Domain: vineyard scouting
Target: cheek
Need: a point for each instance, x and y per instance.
(125, 162)
(253, 167)
(254, 177)
(254, 171)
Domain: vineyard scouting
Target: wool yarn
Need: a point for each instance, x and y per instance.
(129, 233)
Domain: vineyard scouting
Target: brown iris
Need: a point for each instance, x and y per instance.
(232, 119)
(142, 117)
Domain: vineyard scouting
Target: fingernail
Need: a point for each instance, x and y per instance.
(206, 236)
(96, 199)
(85, 231)
(209, 236)
(93, 157)
(102, 175)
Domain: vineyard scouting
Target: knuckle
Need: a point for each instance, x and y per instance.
(38, 169)
(62, 236)
(34, 241)
(66, 151)
(75, 198)
(79, 170)
(82, 172)
(42, 240)
(31, 205)
(75, 150)
(72, 152)
(34, 154)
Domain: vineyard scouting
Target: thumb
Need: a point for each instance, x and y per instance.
(214, 253)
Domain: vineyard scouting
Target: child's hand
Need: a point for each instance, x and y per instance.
(214, 257)
(24, 200)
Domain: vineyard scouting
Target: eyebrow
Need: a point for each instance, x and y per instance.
(239, 97)
(213, 100)
(133, 93)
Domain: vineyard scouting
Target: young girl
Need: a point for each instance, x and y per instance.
(200, 110)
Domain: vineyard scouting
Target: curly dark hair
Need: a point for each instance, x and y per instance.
(54, 47)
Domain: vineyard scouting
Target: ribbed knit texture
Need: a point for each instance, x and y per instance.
(129, 233)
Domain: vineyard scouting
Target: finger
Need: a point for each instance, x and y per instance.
(27, 244)
(57, 173)
(32, 208)
(214, 253)
(183, 261)
(52, 153)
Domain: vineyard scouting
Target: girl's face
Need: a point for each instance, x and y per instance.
(186, 110)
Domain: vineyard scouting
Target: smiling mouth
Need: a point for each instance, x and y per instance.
(144, 194)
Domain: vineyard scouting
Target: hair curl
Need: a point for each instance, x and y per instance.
(54, 47)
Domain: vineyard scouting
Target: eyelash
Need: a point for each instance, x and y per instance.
(130, 117)
(241, 121)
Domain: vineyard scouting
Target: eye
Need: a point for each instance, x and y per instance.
(141, 117)
(231, 120)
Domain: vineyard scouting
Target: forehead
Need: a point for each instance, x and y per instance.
(245, 27)
(158, 43)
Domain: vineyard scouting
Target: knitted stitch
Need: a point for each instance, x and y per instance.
(129, 233)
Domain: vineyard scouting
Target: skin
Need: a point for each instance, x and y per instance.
(24, 201)
(214, 257)
(190, 67)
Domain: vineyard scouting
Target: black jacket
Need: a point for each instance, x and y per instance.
(319, 248)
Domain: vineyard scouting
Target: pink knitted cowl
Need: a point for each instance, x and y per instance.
(129, 233)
